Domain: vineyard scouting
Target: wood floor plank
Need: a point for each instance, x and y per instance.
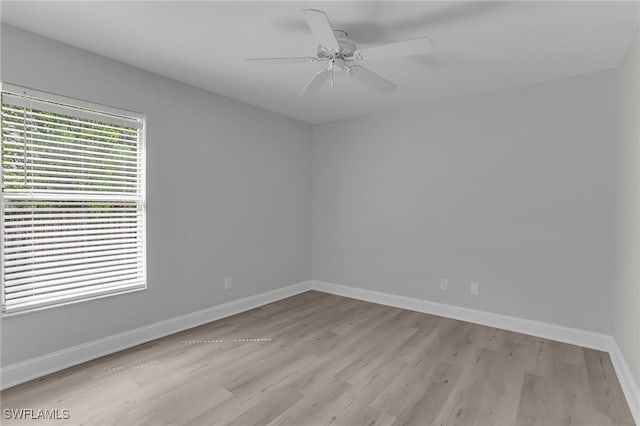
(465, 404)
(502, 393)
(441, 383)
(367, 383)
(318, 359)
(311, 409)
(534, 408)
(606, 394)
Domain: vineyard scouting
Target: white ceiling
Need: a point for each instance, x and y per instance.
(478, 46)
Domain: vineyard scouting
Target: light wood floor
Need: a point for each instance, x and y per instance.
(336, 361)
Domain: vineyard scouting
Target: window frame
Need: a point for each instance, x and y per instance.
(97, 108)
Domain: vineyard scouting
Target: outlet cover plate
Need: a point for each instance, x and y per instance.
(444, 284)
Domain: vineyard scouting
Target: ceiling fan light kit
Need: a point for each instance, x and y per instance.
(339, 54)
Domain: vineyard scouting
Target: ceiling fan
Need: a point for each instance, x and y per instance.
(339, 54)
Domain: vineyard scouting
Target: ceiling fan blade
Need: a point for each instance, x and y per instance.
(371, 79)
(320, 26)
(289, 60)
(315, 83)
(419, 46)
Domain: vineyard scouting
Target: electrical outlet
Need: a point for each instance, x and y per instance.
(227, 283)
(474, 288)
(444, 284)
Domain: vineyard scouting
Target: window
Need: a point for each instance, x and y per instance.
(73, 200)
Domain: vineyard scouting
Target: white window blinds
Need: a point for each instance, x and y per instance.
(73, 200)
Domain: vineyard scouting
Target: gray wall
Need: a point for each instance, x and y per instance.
(513, 190)
(626, 308)
(228, 190)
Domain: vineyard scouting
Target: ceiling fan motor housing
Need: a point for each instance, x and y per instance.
(347, 48)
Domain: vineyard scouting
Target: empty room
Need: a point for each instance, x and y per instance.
(320, 213)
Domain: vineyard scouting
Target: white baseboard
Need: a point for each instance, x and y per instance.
(587, 339)
(573, 336)
(626, 379)
(24, 371)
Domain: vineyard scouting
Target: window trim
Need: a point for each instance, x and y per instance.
(98, 108)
